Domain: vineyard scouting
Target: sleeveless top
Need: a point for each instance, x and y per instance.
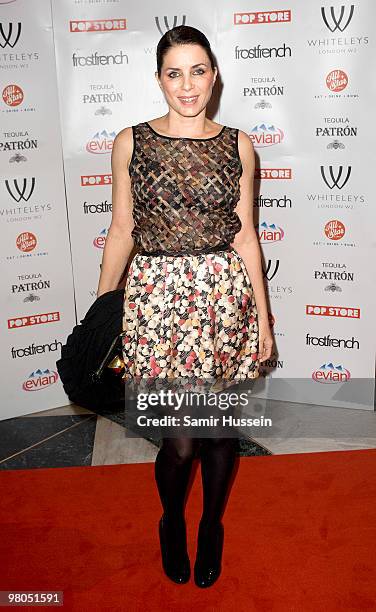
(184, 190)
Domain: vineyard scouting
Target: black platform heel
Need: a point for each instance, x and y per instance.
(175, 559)
(208, 563)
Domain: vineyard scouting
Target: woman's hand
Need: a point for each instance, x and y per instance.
(265, 340)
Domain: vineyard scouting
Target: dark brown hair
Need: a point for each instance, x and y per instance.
(182, 35)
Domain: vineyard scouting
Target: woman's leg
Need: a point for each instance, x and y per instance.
(217, 462)
(173, 466)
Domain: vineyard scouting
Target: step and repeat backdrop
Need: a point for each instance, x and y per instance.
(298, 78)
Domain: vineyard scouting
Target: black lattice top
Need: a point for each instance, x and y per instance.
(184, 190)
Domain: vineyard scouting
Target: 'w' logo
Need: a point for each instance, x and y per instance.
(336, 25)
(167, 26)
(5, 39)
(18, 193)
(334, 181)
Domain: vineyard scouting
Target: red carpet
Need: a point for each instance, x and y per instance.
(300, 535)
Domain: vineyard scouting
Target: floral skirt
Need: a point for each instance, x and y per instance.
(190, 317)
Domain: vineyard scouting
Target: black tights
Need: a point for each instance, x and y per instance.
(173, 468)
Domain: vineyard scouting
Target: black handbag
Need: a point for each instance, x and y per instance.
(91, 365)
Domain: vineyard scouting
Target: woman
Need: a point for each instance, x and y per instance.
(194, 299)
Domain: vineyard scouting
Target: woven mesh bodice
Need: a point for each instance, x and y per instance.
(184, 190)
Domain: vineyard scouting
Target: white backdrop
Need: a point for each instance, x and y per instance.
(297, 79)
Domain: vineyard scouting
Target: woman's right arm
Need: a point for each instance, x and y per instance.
(119, 242)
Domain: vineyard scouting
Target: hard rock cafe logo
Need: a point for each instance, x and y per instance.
(334, 229)
(12, 95)
(162, 29)
(336, 80)
(10, 38)
(329, 373)
(338, 180)
(337, 22)
(26, 242)
(266, 135)
(20, 191)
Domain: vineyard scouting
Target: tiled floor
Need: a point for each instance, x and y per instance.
(73, 436)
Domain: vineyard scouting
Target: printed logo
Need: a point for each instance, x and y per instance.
(348, 343)
(264, 17)
(9, 39)
(273, 173)
(26, 242)
(97, 25)
(20, 192)
(12, 95)
(336, 80)
(91, 208)
(35, 349)
(101, 143)
(333, 22)
(99, 60)
(271, 270)
(167, 27)
(93, 180)
(332, 181)
(334, 229)
(37, 319)
(263, 86)
(40, 379)
(333, 311)
(266, 136)
(328, 373)
(262, 202)
(270, 233)
(100, 240)
(27, 283)
(260, 52)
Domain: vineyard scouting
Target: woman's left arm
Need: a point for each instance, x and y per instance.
(247, 245)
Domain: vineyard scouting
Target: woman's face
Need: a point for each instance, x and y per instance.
(187, 79)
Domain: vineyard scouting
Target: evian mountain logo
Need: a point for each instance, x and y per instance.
(329, 373)
(167, 26)
(20, 191)
(334, 229)
(12, 95)
(333, 22)
(9, 39)
(266, 136)
(270, 233)
(100, 240)
(40, 379)
(331, 180)
(336, 80)
(101, 142)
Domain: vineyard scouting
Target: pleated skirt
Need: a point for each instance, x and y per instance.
(190, 316)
